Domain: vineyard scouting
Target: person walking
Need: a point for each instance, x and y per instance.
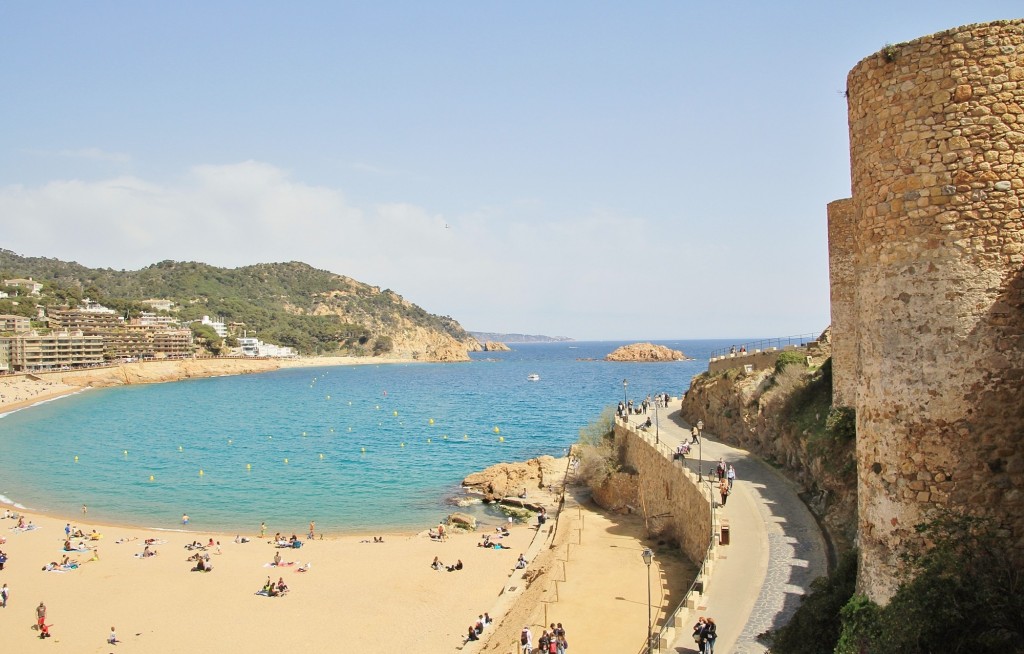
(730, 474)
(693, 435)
(263, 529)
(723, 490)
(40, 615)
(5, 592)
(710, 636)
(526, 641)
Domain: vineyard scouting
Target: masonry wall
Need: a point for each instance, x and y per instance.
(841, 250)
(669, 490)
(937, 159)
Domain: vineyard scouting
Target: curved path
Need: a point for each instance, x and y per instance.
(776, 548)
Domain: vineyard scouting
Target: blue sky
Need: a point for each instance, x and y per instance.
(597, 170)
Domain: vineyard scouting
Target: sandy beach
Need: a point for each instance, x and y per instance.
(356, 594)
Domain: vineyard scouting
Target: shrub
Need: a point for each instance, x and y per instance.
(789, 358)
(841, 423)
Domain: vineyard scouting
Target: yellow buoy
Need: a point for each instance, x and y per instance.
(395, 413)
(230, 441)
(76, 458)
(496, 430)
(363, 450)
(286, 460)
(377, 407)
(501, 439)
(181, 449)
(200, 472)
(248, 466)
(445, 437)
(321, 457)
(332, 430)
(270, 438)
(431, 421)
(126, 452)
(428, 440)
(151, 477)
(328, 397)
(403, 445)
(350, 429)
(465, 437)
(350, 402)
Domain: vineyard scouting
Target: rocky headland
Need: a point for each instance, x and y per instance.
(644, 352)
(509, 480)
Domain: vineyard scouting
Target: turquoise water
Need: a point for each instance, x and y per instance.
(362, 453)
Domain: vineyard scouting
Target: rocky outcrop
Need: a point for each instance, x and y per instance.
(510, 479)
(462, 521)
(642, 352)
(494, 346)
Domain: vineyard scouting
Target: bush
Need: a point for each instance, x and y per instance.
(788, 358)
(595, 449)
(841, 423)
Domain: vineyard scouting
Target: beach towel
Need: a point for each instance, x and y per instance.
(21, 529)
(282, 564)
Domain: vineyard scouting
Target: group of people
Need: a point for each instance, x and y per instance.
(438, 565)
(475, 630)
(726, 476)
(552, 640)
(281, 541)
(705, 633)
(271, 589)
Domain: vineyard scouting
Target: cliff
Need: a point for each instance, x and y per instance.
(785, 416)
(641, 352)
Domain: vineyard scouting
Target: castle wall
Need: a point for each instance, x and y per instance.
(841, 235)
(937, 158)
(669, 490)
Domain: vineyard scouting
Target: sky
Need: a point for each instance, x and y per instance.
(597, 170)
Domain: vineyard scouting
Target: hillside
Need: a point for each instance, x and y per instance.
(293, 304)
(518, 338)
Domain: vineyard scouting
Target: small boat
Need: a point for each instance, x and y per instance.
(533, 377)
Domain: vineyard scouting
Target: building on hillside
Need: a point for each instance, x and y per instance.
(9, 323)
(159, 305)
(4, 294)
(171, 343)
(33, 287)
(253, 347)
(89, 306)
(5, 357)
(89, 322)
(29, 351)
(217, 325)
(149, 319)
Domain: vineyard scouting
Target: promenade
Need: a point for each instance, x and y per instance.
(776, 548)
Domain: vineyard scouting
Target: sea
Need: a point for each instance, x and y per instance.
(359, 449)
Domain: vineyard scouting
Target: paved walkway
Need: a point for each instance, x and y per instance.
(776, 547)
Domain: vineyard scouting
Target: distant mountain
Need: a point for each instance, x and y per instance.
(483, 337)
(294, 304)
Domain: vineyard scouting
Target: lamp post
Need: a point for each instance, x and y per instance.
(657, 425)
(648, 556)
(625, 383)
(700, 449)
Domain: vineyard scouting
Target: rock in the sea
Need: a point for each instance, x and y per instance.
(463, 520)
(645, 352)
(494, 346)
(510, 479)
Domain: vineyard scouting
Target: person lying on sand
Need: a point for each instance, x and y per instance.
(304, 568)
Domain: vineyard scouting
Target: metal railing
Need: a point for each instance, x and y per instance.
(799, 340)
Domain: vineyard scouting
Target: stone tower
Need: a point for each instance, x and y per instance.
(841, 246)
(937, 159)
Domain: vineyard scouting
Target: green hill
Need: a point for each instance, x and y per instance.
(294, 304)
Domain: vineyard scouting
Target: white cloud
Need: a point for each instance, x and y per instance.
(95, 154)
(593, 273)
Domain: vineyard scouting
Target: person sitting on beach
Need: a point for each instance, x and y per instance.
(21, 523)
(502, 530)
(147, 552)
(378, 539)
(487, 619)
(95, 535)
(472, 634)
(202, 566)
(78, 533)
(486, 541)
(241, 539)
(457, 566)
(282, 587)
(67, 546)
(437, 565)
(521, 563)
(277, 559)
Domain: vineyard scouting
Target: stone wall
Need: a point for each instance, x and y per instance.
(668, 490)
(841, 234)
(757, 359)
(937, 159)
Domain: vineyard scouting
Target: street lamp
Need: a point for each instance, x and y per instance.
(657, 425)
(625, 383)
(648, 556)
(700, 449)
